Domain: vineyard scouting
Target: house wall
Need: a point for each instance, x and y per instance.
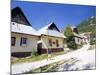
(31, 43)
(45, 43)
(78, 40)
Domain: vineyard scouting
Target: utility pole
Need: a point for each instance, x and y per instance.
(47, 43)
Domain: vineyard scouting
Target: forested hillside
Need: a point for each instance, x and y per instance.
(87, 25)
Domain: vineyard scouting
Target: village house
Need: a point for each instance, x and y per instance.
(25, 39)
(51, 40)
(82, 38)
(87, 37)
(78, 38)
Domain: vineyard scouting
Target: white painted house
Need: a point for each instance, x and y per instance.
(25, 39)
(82, 38)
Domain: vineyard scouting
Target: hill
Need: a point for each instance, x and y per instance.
(87, 25)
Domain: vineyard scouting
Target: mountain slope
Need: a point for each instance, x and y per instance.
(88, 25)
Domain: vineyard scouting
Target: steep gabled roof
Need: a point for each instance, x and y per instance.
(50, 26)
(24, 29)
(51, 30)
(18, 16)
(78, 36)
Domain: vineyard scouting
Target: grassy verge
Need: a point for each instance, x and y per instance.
(53, 67)
(46, 68)
(30, 58)
(36, 57)
(57, 53)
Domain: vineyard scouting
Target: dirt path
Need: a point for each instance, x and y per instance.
(25, 67)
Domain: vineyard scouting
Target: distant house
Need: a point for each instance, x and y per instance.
(87, 37)
(25, 39)
(51, 39)
(78, 38)
(82, 38)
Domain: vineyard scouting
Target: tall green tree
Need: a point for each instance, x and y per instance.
(93, 38)
(69, 38)
(68, 31)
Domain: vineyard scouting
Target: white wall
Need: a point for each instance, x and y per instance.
(31, 43)
(78, 40)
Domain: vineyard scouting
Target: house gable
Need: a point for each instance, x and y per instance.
(75, 30)
(53, 27)
(18, 16)
(51, 30)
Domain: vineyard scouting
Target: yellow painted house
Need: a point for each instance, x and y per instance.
(51, 39)
(25, 39)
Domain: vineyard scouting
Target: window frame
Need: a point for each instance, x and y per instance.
(14, 42)
(50, 42)
(57, 43)
(23, 41)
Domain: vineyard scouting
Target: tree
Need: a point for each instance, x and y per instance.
(93, 38)
(68, 31)
(87, 25)
(70, 37)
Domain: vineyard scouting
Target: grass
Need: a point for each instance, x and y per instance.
(46, 68)
(30, 59)
(36, 57)
(53, 67)
(57, 53)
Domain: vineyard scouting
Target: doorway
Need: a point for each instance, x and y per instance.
(39, 48)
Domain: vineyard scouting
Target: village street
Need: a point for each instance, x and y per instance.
(84, 56)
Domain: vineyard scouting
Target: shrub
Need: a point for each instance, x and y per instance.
(92, 42)
(34, 53)
(72, 45)
(93, 38)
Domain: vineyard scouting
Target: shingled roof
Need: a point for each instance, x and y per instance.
(20, 24)
(18, 16)
(24, 29)
(51, 30)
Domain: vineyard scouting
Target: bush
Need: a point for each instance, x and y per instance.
(71, 42)
(34, 53)
(72, 45)
(92, 42)
(93, 38)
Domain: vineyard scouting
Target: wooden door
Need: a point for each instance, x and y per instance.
(39, 48)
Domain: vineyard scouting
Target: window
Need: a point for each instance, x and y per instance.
(23, 41)
(57, 43)
(50, 42)
(13, 23)
(78, 40)
(13, 40)
(53, 42)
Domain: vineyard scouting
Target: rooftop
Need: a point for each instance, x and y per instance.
(51, 30)
(25, 29)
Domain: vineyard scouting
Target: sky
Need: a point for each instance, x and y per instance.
(40, 14)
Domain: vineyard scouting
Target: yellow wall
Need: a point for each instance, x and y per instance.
(31, 43)
(45, 43)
